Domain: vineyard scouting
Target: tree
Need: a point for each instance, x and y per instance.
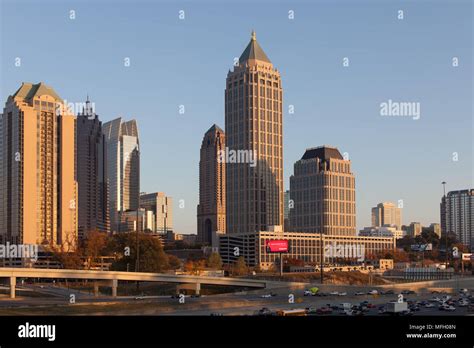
(174, 262)
(240, 267)
(214, 261)
(94, 246)
(152, 257)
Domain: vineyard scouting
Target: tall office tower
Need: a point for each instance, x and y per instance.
(386, 214)
(253, 126)
(211, 208)
(323, 190)
(38, 188)
(93, 210)
(122, 168)
(162, 207)
(459, 216)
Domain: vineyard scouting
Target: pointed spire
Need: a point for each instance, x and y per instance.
(253, 51)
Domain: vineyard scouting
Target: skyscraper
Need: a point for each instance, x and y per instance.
(38, 188)
(459, 215)
(93, 210)
(122, 167)
(323, 191)
(161, 206)
(211, 214)
(386, 214)
(253, 127)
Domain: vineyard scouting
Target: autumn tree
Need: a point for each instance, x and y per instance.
(214, 261)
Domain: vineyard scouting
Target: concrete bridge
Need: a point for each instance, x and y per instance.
(111, 278)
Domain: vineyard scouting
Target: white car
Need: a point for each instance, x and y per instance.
(266, 296)
(334, 293)
(359, 293)
(373, 292)
(463, 303)
(343, 294)
(429, 305)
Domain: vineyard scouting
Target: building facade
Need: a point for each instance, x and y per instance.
(162, 207)
(385, 214)
(211, 214)
(122, 168)
(414, 229)
(253, 127)
(93, 210)
(302, 246)
(38, 187)
(322, 189)
(459, 215)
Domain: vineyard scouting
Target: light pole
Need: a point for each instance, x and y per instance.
(137, 259)
(445, 226)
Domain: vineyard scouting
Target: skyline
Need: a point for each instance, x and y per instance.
(421, 194)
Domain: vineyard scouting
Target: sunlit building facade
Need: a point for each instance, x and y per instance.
(38, 187)
(253, 124)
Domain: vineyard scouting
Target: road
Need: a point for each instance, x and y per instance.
(244, 303)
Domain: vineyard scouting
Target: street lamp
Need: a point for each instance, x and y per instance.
(445, 225)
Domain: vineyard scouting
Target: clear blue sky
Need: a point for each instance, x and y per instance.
(176, 62)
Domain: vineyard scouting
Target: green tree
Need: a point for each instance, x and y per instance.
(214, 261)
(152, 257)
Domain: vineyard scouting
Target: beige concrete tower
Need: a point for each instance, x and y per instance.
(253, 125)
(323, 191)
(212, 199)
(38, 189)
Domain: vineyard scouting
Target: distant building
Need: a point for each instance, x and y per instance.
(38, 187)
(436, 228)
(386, 214)
(382, 231)
(323, 190)
(93, 209)
(123, 168)
(211, 214)
(458, 215)
(162, 207)
(145, 218)
(414, 229)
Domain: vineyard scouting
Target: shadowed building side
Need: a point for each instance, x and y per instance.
(93, 210)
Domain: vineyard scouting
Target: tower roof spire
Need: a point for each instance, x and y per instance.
(253, 51)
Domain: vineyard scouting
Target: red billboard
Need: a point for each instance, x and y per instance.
(277, 246)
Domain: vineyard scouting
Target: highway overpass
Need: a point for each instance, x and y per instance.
(112, 278)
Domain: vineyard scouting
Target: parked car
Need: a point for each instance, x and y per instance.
(324, 310)
(373, 292)
(264, 312)
(359, 293)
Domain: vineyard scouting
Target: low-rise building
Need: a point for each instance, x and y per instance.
(302, 246)
(382, 231)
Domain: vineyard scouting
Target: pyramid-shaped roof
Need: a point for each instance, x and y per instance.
(253, 51)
